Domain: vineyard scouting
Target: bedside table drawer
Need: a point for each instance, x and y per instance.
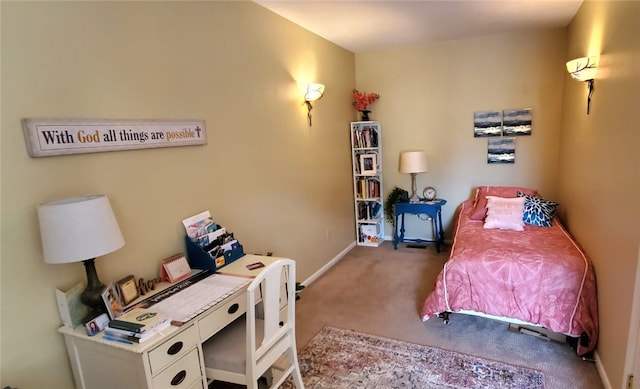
(171, 350)
(185, 373)
(218, 319)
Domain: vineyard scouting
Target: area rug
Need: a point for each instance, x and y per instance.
(336, 359)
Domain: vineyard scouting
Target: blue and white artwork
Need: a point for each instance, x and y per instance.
(487, 123)
(517, 122)
(501, 150)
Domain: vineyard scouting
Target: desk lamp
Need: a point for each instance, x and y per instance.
(80, 229)
(413, 162)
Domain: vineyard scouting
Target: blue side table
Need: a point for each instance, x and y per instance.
(431, 208)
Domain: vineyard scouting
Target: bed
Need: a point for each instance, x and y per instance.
(538, 275)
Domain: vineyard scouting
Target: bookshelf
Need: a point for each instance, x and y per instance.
(366, 158)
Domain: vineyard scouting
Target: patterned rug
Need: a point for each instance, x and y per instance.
(336, 359)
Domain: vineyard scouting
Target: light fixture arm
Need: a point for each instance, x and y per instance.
(309, 108)
(590, 87)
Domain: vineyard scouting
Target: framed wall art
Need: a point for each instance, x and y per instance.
(501, 150)
(516, 122)
(487, 123)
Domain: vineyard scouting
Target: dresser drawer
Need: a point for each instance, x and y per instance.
(225, 314)
(184, 373)
(171, 350)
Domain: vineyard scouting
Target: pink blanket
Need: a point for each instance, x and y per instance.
(539, 275)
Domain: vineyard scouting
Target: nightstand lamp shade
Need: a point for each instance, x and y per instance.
(80, 229)
(413, 162)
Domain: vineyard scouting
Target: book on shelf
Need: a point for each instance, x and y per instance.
(140, 320)
(137, 337)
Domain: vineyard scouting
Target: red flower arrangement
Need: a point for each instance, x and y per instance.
(362, 100)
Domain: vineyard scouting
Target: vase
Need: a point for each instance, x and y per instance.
(365, 115)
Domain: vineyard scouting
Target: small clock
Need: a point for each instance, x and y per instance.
(429, 193)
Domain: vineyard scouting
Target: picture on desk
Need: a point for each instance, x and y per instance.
(127, 289)
(112, 301)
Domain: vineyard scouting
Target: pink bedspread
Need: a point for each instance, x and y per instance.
(539, 275)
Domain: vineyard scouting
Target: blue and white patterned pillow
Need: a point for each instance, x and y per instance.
(538, 211)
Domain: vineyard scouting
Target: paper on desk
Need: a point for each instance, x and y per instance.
(197, 298)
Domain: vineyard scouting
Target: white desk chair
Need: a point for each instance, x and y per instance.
(248, 349)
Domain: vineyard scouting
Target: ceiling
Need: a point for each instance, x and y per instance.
(368, 25)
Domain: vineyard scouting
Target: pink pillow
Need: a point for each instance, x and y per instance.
(505, 213)
(479, 211)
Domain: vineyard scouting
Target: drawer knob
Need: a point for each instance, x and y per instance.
(178, 378)
(175, 348)
(233, 308)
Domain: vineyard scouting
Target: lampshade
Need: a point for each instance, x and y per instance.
(413, 162)
(314, 92)
(78, 228)
(583, 69)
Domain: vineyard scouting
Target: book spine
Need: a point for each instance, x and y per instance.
(124, 325)
(116, 331)
(127, 338)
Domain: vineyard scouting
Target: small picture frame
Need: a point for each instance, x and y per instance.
(127, 289)
(368, 164)
(112, 301)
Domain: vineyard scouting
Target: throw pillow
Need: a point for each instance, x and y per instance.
(538, 211)
(479, 211)
(505, 213)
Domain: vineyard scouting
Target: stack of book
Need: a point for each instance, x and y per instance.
(137, 325)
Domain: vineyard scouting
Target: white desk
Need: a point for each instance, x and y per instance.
(173, 359)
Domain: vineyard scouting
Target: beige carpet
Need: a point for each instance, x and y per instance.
(380, 291)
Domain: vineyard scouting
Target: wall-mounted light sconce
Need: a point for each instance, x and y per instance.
(313, 93)
(584, 69)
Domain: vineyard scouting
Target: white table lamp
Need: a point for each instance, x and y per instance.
(413, 162)
(80, 229)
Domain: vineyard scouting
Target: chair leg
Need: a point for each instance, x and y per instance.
(295, 374)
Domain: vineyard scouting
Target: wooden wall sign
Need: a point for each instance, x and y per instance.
(47, 137)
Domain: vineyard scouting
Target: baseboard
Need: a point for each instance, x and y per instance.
(603, 374)
(328, 265)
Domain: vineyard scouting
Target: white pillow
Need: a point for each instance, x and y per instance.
(505, 213)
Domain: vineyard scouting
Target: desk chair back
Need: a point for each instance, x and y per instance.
(267, 340)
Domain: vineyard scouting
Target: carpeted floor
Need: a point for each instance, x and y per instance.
(344, 359)
(380, 291)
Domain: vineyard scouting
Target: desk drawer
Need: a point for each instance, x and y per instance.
(225, 314)
(184, 373)
(171, 350)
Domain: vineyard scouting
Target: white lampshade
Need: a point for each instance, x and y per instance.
(78, 228)
(583, 69)
(314, 92)
(413, 162)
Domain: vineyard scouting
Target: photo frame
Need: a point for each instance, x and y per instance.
(368, 164)
(127, 289)
(112, 301)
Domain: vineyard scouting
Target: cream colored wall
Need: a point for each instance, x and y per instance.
(277, 183)
(430, 92)
(598, 172)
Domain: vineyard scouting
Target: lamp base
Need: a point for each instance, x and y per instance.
(92, 294)
(414, 190)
